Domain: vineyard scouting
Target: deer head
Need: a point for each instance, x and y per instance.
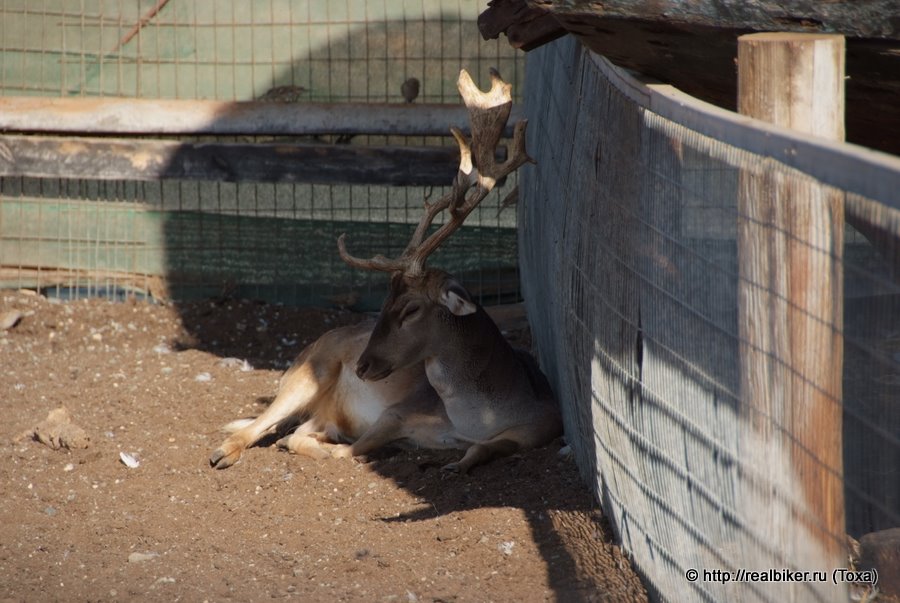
(423, 302)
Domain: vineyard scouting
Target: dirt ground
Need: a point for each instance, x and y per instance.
(157, 382)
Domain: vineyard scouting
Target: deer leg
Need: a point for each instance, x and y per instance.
(421, 419)
(505, 443)
(388, 428)
(306, 441)
(299, 387)
(482, 452)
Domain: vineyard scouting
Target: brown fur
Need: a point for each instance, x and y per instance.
(411, 378)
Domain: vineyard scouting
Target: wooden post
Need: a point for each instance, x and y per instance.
(790, 247)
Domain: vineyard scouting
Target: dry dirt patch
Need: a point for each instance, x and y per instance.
(155, 382)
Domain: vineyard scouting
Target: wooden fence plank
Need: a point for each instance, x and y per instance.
(129, 159)
(790, 248)
(147, 116)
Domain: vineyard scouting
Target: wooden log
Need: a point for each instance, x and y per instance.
(790, 246)
(692, 45)
(144, 116)
(862, 18)
(526, 27)
(129, 159)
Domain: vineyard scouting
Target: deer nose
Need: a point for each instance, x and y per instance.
(361, 367)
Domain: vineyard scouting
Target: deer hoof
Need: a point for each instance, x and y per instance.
(342, 451)
(453, 468)
(222, 459)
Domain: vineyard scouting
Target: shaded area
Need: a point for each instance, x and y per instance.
(82, 525)
(295, 261)
(569, 530)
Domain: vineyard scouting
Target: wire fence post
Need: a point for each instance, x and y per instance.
(790, 248)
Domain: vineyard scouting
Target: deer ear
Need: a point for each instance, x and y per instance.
(457, 299)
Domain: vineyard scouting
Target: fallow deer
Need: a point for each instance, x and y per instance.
(433, 371)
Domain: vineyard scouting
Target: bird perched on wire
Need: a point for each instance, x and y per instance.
(283, 94)
(410, 89)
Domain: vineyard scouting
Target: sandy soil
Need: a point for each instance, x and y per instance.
(156, 382)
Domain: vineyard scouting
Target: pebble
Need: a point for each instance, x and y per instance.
(129, 460)
(139, 557)
(9, 319)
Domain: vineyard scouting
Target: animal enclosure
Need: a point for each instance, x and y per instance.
(189, 149)
(634, 231)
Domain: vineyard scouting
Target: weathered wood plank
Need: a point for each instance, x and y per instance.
(860, 19)
(685, 44)
(145, 116)
(526, 27)
(856, 169)
(790, 249)
(125, 159)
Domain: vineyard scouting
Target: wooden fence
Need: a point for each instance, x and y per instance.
(685, 270)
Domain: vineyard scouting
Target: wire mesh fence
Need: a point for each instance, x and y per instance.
(273, 240)
(647, 313)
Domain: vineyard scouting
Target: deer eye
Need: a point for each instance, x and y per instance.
(411, 310)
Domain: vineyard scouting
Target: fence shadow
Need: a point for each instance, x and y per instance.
(248, 243)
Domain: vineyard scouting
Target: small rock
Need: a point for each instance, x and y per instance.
(139, 557)
(129, 460)
(58, 431)
(9, 319)
(243, 365)
(203, 377)
(506, 547)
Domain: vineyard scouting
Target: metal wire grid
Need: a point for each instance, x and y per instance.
(322, 51)
(339, 50)
(632, 285)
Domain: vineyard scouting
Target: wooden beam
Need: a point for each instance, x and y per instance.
(686, 45)
(790, 248)
(526, 27)
(860, 19)
(128, 159)
(179, 117)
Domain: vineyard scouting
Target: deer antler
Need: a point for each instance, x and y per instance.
(478, 174)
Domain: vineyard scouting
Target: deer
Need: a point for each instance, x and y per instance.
(433, 370)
